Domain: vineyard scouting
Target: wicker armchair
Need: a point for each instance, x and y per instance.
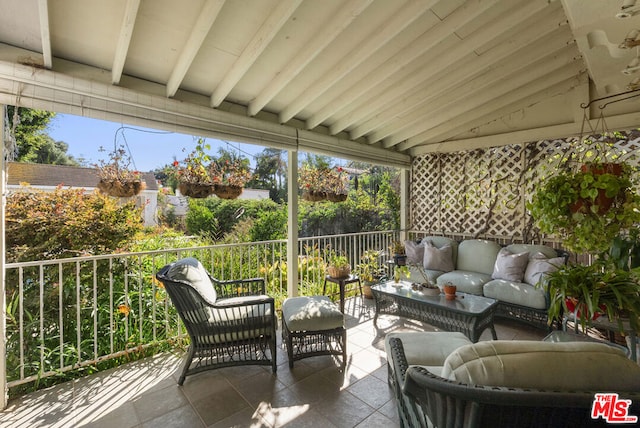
(428, 400)
(229, 322)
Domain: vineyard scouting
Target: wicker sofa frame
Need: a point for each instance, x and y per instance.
(425, 399)
(248, 338)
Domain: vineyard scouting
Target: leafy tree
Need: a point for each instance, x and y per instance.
(54, 153)
(29, 126)
(67, 222)
(270, 173)
(270, 225)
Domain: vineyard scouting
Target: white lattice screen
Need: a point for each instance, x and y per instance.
(484, 192)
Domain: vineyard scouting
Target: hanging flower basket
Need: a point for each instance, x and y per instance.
(227, 192)
(336, 197)
(313, 196)
(120, 189)
(195, 190)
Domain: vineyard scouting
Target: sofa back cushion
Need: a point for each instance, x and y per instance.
(574, 366)
(477, 255)
(533, 249)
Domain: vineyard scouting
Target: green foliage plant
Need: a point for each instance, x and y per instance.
(571, 206)
(67, 222)
(369, 269)
(593, 290)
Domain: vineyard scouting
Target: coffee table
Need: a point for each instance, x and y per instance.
(467, 313)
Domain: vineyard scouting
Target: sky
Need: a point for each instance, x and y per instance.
(149, 148)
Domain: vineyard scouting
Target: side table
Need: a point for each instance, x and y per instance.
(604, 324)
(342, 283)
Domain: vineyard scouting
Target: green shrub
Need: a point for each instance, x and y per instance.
(67, 222)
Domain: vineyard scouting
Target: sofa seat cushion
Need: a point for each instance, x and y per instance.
(417, 276)
(465, 281)
(428, 348)
(569, 366)
(518, 293)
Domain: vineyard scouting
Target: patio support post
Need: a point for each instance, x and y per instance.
(292, 224)
(405, 182)
(3, 309)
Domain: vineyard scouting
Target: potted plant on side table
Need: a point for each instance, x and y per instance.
(338, 265)
(369, 271)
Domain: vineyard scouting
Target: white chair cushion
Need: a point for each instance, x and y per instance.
(191, 271)
(311, 313)
(574, 366)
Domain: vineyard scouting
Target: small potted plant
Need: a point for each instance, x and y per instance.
(116, 177)
(400, 273)
(425, 285)
(399, 254)
(369, 271)
(338, 265)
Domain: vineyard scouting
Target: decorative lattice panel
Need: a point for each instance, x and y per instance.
(484, 192)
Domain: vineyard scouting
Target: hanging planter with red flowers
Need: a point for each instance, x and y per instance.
(116, 178)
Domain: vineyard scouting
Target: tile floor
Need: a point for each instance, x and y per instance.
(312, 394)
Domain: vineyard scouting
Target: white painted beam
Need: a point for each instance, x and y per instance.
(347, 13)
(423, 87)
(371, 43)
(45, 35)
(473, 95)
(566, 78)
(201, 28)
(429, 40)
(49, 90)
(124, 39)
(256, 46)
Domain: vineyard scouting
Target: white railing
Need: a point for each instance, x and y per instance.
(69, 313)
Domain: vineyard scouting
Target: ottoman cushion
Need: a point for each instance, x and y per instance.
(311, 313)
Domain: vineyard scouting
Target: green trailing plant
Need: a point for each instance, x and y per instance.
(587, 208)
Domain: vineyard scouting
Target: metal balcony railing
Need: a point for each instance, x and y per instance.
(71, 313)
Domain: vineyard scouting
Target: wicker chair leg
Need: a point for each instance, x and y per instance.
(187, 363)
(344, 349)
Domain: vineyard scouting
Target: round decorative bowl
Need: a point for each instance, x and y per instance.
(430, 291)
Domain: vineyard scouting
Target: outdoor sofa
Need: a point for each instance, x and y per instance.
(508, 274)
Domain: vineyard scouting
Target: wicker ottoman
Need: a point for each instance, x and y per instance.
(313, 326)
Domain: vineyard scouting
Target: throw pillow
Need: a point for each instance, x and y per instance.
(509, 266)
(539, 265)
(414, 252)
(191, 271)
(438, 258)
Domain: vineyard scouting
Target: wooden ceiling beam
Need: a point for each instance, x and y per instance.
(431, 39)
(256, 46)
(45, 35)
(377, 111)
(346, 14)
(571, 71)
(201, 28)
(371, 43)
(124, 39)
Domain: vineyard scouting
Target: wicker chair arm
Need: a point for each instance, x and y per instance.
(234, 302)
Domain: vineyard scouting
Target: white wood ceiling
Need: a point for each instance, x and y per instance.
(377, 79)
